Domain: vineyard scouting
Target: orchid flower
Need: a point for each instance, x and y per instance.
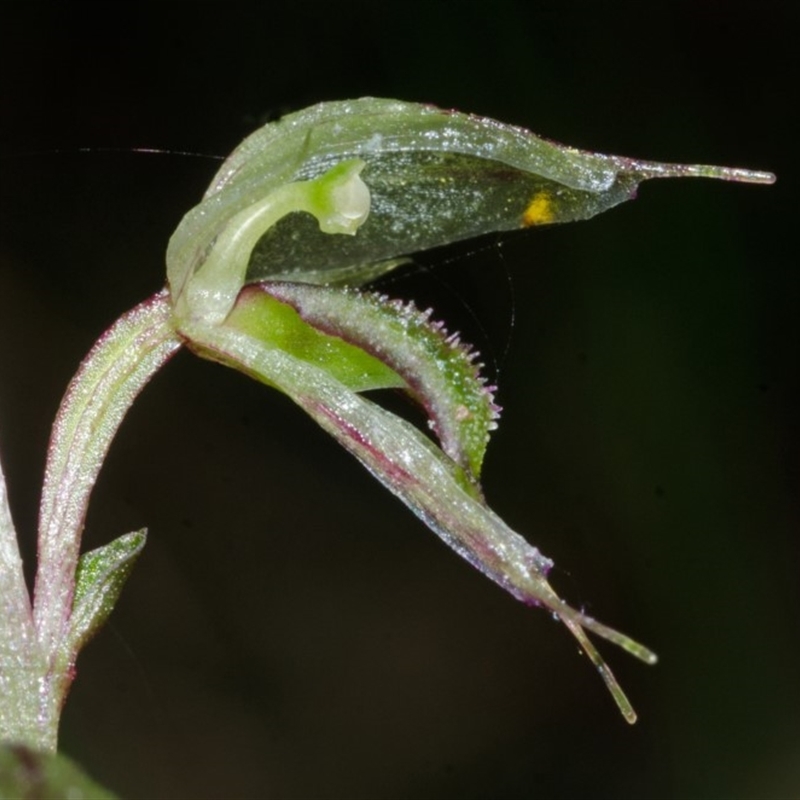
(263, 276)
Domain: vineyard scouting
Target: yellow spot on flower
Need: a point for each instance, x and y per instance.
(539, 211)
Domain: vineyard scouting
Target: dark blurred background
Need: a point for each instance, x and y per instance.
(291, 631)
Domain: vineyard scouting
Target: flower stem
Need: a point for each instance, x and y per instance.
(97, 399)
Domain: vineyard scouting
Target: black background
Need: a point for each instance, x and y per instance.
(291, 631)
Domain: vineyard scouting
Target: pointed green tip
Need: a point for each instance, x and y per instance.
(732, 174)
(99, 579)
(628, 713)
(620, 639)
(579, 624)
(654, 169)
(620, 698)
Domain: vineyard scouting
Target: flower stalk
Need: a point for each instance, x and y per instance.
(97, 399)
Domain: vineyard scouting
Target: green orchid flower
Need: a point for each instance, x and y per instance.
(263, 276)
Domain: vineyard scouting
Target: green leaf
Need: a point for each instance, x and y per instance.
(22, 664)
(26, 773)
(100, 576)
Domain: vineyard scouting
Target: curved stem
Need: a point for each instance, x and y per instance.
(97, 399)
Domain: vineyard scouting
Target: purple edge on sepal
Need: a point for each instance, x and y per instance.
(418, 472)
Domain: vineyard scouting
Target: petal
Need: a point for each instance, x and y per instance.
(430, 483)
